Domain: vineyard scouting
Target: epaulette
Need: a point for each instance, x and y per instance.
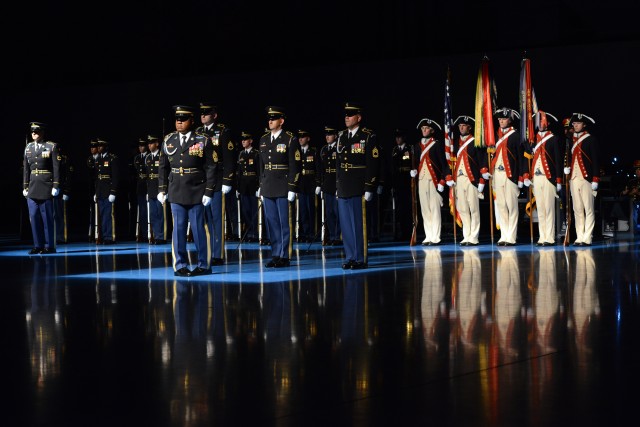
(340, 133)
(168, 136)
(265, 134)
(289, 133)
(220, 125)
(366, 130)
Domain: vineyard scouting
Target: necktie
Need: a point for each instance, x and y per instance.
(350, 135)
(184, 140)
(273, 138)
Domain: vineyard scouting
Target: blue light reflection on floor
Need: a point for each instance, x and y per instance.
(308, 262)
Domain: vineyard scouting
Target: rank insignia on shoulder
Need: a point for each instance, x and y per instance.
(375, 153)
(230, 146)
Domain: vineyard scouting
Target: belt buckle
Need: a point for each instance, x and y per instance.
(181, 170)
(460, 173)
(500, 168)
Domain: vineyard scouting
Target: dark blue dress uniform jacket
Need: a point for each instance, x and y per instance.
(358, 163)
(107, 175)
(189, 172)
(248, 170)
(41, 171)
(328, 169)
(280, 164)
(224, 154)
(152, 165)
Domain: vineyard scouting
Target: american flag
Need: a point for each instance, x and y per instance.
(448, 120)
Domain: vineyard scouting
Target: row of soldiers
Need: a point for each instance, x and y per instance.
(347, 174)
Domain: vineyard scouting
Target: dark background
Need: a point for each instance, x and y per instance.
(114, 70)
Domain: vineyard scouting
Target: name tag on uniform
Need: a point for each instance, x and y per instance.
(250, 161)
(281, 148)
(215, 139)
(406, 156)
(106, 163)
(309, 158)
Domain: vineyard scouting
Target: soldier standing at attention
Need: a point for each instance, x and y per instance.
(431, 169)
(224, 157)
(280, 165)
(188, 177)
(308, 184)
(584, 176)
(107, 176)
(401, 165)
(356, 181)
(156, 209)
(60, 201)
(328, 186)
(248, 170)
(139, 177)
(546, 177)
(507, 167)
(41, 181)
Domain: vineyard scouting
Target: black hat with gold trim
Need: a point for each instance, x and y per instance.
(102, 143)
(330, 130)
(207, 108)
(303, 133)
(244, 135)
(464, 120)
(183, 111)
(152, 138)
(428, 122)
(506, 113)
(582, 118)
(352, 108)
(37, 126)
(275, 112)
(93, 143)
(142, 142)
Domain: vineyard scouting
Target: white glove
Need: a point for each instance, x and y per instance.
(486, 175)
(527, 182)
(226, 188)
(567, 171)
(480, 187)
(368, 196)
(146, 197)
(65, 197)
(258, 192)
(95, 198)
(520, 184)
(25, 192)
(206, 200)
(291, 196)
(112, 198)
(594, 186)
(379, 189)
(237, 193)
(451, 183)
(413, 173)
(558, 187)
(162, 198)
(55, 192)
(318, 190)
(440, 187)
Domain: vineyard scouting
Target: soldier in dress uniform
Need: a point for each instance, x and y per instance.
(309, 182)
(469, 174)
(91, 187)
(60, 201)
(358, 166)
(507, 166)
(41, 182)
(584, 176)
(138, 171)
(187, 179)
(429, 165)
(280, 164)
(328, 186)
(224, 157)
(248, 170)
(632, 190)
(107, 177)
(546, 176)
(157, 216)
(401, 166)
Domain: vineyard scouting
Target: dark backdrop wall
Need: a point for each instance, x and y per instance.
(598, 79)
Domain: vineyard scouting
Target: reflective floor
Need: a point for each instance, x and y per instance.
(447, 335)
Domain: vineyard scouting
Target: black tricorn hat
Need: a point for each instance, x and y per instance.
(428, 122)
(464, 120)
(582, 118)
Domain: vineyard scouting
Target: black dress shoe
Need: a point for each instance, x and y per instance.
(508, 244)
(283, 262)
(347, 265)
(578, 243)
(35, 251)
(183, 272)
(358, 265)
(426, 243)
(272, 263)
(199, 271)
(217, 261)
(48, 251)
(160, 241)
(502, 243)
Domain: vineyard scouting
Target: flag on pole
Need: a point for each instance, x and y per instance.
(528, 104)
(448, 119)
(485, 105)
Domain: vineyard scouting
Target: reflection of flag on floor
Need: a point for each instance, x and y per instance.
(448, 142)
